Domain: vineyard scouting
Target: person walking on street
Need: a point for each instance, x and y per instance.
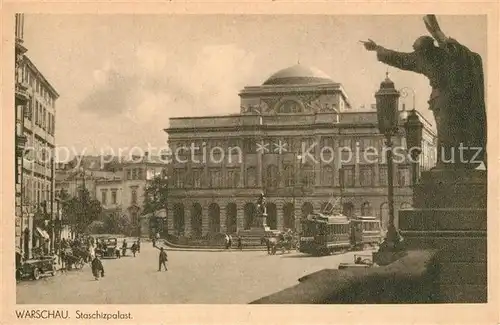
(134, 248)
(240, 246)
(230, 244)
(97, 268)
(138, 245)
(162, 259)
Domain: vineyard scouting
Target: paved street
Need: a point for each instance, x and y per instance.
(193, 277)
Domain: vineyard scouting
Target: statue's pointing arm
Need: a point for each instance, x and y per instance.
(400, 60)
(432, 26)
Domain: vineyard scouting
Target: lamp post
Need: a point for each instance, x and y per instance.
(387, 115)
(413, 128)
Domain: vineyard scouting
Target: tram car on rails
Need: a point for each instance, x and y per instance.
(324, 234)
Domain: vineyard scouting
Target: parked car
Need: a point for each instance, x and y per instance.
(36, 268)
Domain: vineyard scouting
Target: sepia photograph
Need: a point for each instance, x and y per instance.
(248, 159)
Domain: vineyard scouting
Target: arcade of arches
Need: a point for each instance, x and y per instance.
(196, 220)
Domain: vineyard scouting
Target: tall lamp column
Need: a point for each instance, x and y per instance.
(387, 115)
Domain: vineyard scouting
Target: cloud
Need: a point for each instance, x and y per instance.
(151, 85)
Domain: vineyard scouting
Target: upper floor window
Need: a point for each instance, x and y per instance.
(366, 176)
(133, 196)
(290, 106)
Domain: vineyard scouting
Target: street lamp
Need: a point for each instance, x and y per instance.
(387, 115)
(413, 127)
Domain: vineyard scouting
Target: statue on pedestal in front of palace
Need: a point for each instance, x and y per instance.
(457, 99)
(261, 214)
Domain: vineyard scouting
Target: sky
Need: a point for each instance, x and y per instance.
(121, 77)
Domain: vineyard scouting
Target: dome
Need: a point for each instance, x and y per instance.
(298, 74)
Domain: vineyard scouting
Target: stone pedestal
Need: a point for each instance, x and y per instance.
(450, 215)
(253, 236)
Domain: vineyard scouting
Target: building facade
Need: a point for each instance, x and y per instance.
(119, 186)
(35, 121)
(297, 140)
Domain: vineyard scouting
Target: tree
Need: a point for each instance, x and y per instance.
(81, 210)
(156, 194)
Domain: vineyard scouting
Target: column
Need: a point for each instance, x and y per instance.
(223, 217)
(240, 215)
(317, 156)
(204, 218)
(170, 219)
(259, 165)
(279, 215)
(187, 218)
(336, 162)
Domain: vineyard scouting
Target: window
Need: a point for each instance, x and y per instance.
(289, 176)
(308, 176)
(327, 177)
(44, 118)
(134, 173)
(179, 177)
(197, 175)
(251, 177)
(346, 144)
(366, 176)
(113, 196)
(249, 145)
(233, 178)
(290, 106)
(139, 173)
(403, 176)
(348, 176)
(272, 176)
(215, 178)
(366, 209)
(133, 195)
(129, 174)
(104, 197)
(382, 175)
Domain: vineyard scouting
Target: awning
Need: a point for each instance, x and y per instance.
(42, 233)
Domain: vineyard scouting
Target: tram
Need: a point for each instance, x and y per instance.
(324, 234)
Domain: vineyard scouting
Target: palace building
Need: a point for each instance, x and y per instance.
(297, 140)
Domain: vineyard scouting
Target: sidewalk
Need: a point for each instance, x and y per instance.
(173, 247)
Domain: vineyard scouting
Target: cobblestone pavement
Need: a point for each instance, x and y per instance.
(192, 277)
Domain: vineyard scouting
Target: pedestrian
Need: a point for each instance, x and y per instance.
(97, 268)
(154, 241)
(226, 241)
(134, 248)
(138, 245)
(230, 244)
(162, 259)
(240, 246)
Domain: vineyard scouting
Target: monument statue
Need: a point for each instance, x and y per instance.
(260, 218)
(457, 98)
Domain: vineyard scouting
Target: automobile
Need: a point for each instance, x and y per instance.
(110, 249)
(36, 268)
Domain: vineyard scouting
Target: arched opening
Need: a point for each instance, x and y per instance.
(348, 210)
(307, 209)
(405, 205)
(384, 215)
(214, 218)
(272, 216)
(366, 209)
(249, 211)
(179, 218)
(289, 216)
(231, 218)
(196, 220)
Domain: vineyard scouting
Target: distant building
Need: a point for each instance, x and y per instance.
(119, 186)
(35, 125)
(265, 148)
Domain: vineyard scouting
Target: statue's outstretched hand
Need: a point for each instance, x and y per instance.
(369, 45)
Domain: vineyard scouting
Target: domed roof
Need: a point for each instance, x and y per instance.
(298, 74)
